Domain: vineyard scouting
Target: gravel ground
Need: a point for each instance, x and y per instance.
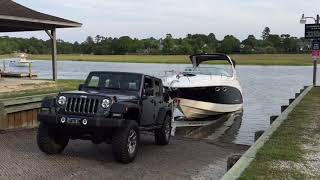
(183, 159)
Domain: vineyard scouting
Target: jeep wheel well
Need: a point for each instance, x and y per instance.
(133, 114)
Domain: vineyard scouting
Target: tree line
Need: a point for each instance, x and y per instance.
(191, 44)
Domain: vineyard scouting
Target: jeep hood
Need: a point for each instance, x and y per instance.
(121, 96)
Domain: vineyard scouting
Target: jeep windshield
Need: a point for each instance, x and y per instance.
(114, 81)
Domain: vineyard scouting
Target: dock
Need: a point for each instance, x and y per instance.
(290, 148)
(6, 72)
(18, 75)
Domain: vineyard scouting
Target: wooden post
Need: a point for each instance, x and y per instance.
(291, 100)
(232, 160)
(257, 135)
(30, 70)
(272, 119)
(283, 108)
(4, 65)
(3, 118)
(53, 37)
(54, 55)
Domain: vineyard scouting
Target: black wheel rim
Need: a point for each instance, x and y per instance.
(132, 141)
(167, 130)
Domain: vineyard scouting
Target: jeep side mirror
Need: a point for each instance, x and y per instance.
(81, 86)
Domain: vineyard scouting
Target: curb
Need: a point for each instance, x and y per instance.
(236, 171)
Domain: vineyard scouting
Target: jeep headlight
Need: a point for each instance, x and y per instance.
(105, 103)
(62, 100)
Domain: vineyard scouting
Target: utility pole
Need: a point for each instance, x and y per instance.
(315, 63)
(312, 32)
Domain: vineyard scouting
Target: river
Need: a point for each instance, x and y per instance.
(265, 88)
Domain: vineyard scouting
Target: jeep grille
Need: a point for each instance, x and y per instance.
(82, 105)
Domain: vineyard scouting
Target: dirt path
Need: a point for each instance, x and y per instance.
(13, 85)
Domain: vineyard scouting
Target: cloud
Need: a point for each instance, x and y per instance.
(146, 18)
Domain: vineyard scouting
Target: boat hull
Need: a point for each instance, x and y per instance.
(19, 64)
(206, 91)
(193, 109)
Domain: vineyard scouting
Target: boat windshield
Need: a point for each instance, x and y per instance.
(215, 70)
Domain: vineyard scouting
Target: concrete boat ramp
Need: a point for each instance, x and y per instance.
(196, 153)
(184, 158)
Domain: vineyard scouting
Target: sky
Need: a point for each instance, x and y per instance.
(156, 18)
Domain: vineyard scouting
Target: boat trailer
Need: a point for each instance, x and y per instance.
(179, 121)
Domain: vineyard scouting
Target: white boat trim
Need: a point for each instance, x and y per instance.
(197, 109)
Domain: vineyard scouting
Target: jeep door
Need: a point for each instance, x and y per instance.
(158, 96)
(148, 102)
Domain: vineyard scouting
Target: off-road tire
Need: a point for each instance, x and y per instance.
(120, 142)
(162, 136)
(49, 141)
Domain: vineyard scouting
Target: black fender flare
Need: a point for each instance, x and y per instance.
(126, 108)
(163, 112)
(48, 102)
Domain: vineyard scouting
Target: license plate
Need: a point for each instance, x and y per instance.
(73, 121)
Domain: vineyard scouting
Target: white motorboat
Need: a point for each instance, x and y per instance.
(206, 90)
(20, 61)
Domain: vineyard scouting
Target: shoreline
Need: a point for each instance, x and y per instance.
(241, 59)
(289, 148)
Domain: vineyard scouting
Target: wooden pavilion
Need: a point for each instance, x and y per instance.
(17, 18)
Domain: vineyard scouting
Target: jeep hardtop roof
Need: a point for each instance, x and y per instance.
(120, 72)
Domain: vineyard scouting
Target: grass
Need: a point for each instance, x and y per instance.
(255, 59)
(286, 144)
(61, 85)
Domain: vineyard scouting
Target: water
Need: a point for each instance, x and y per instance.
(265, 88)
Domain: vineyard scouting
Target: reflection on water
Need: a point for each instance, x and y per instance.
(231, 134)
(265, 88)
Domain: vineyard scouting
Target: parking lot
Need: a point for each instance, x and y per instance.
(182, 159)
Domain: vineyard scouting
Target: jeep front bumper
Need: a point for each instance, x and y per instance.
(95, 122)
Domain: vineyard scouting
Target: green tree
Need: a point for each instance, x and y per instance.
(151, 45)
(64, 47)
(289, 44)
(192, 43)
(266, 33)
(87, 46)
(275, 40)
(230, 44)
(250, 44)
(123, 45)
(250, 41)
(186, 47)
(212, 42)
(168, 44)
